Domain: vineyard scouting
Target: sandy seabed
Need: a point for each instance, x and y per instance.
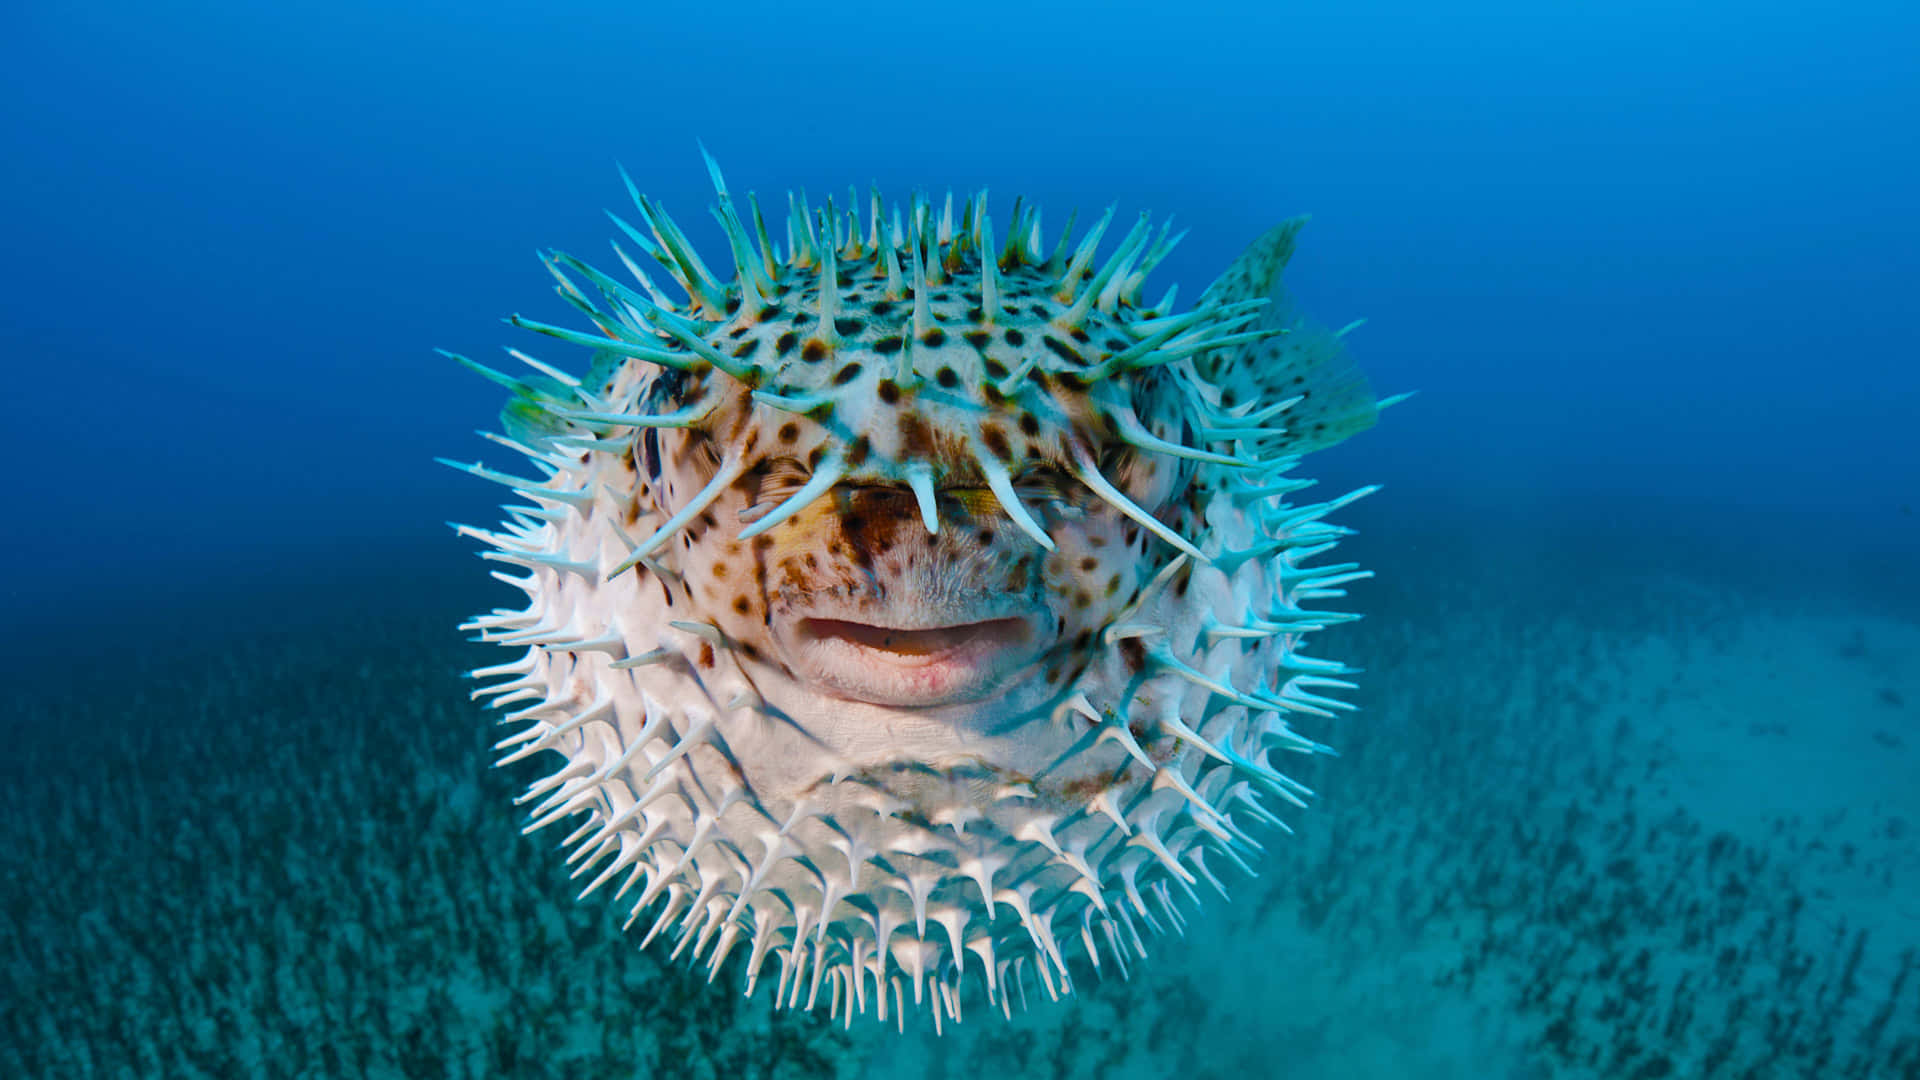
(1667, 832)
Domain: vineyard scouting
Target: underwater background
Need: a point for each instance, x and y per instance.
(1634, 790)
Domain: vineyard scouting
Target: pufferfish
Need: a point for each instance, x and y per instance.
(916, 617)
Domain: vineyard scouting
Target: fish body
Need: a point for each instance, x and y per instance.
(916, 613)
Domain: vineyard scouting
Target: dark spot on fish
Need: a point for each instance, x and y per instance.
(995, 439)
(916, 437)
(650, 452)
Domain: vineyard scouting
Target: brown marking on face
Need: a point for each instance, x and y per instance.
(792, 575)
(994, 438)
(916, 436)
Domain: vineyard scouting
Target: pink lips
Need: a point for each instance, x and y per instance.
(916, 666)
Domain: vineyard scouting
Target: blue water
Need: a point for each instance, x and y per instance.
(1652, 269)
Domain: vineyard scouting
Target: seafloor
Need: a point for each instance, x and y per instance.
(1599, 816)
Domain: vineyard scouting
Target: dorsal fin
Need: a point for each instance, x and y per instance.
(1308, 361)
(1256, 273)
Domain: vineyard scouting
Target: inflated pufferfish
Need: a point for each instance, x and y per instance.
(916, 611)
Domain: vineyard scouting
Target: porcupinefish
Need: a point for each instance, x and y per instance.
(918, 611)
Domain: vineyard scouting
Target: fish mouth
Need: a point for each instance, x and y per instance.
(913, 664)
